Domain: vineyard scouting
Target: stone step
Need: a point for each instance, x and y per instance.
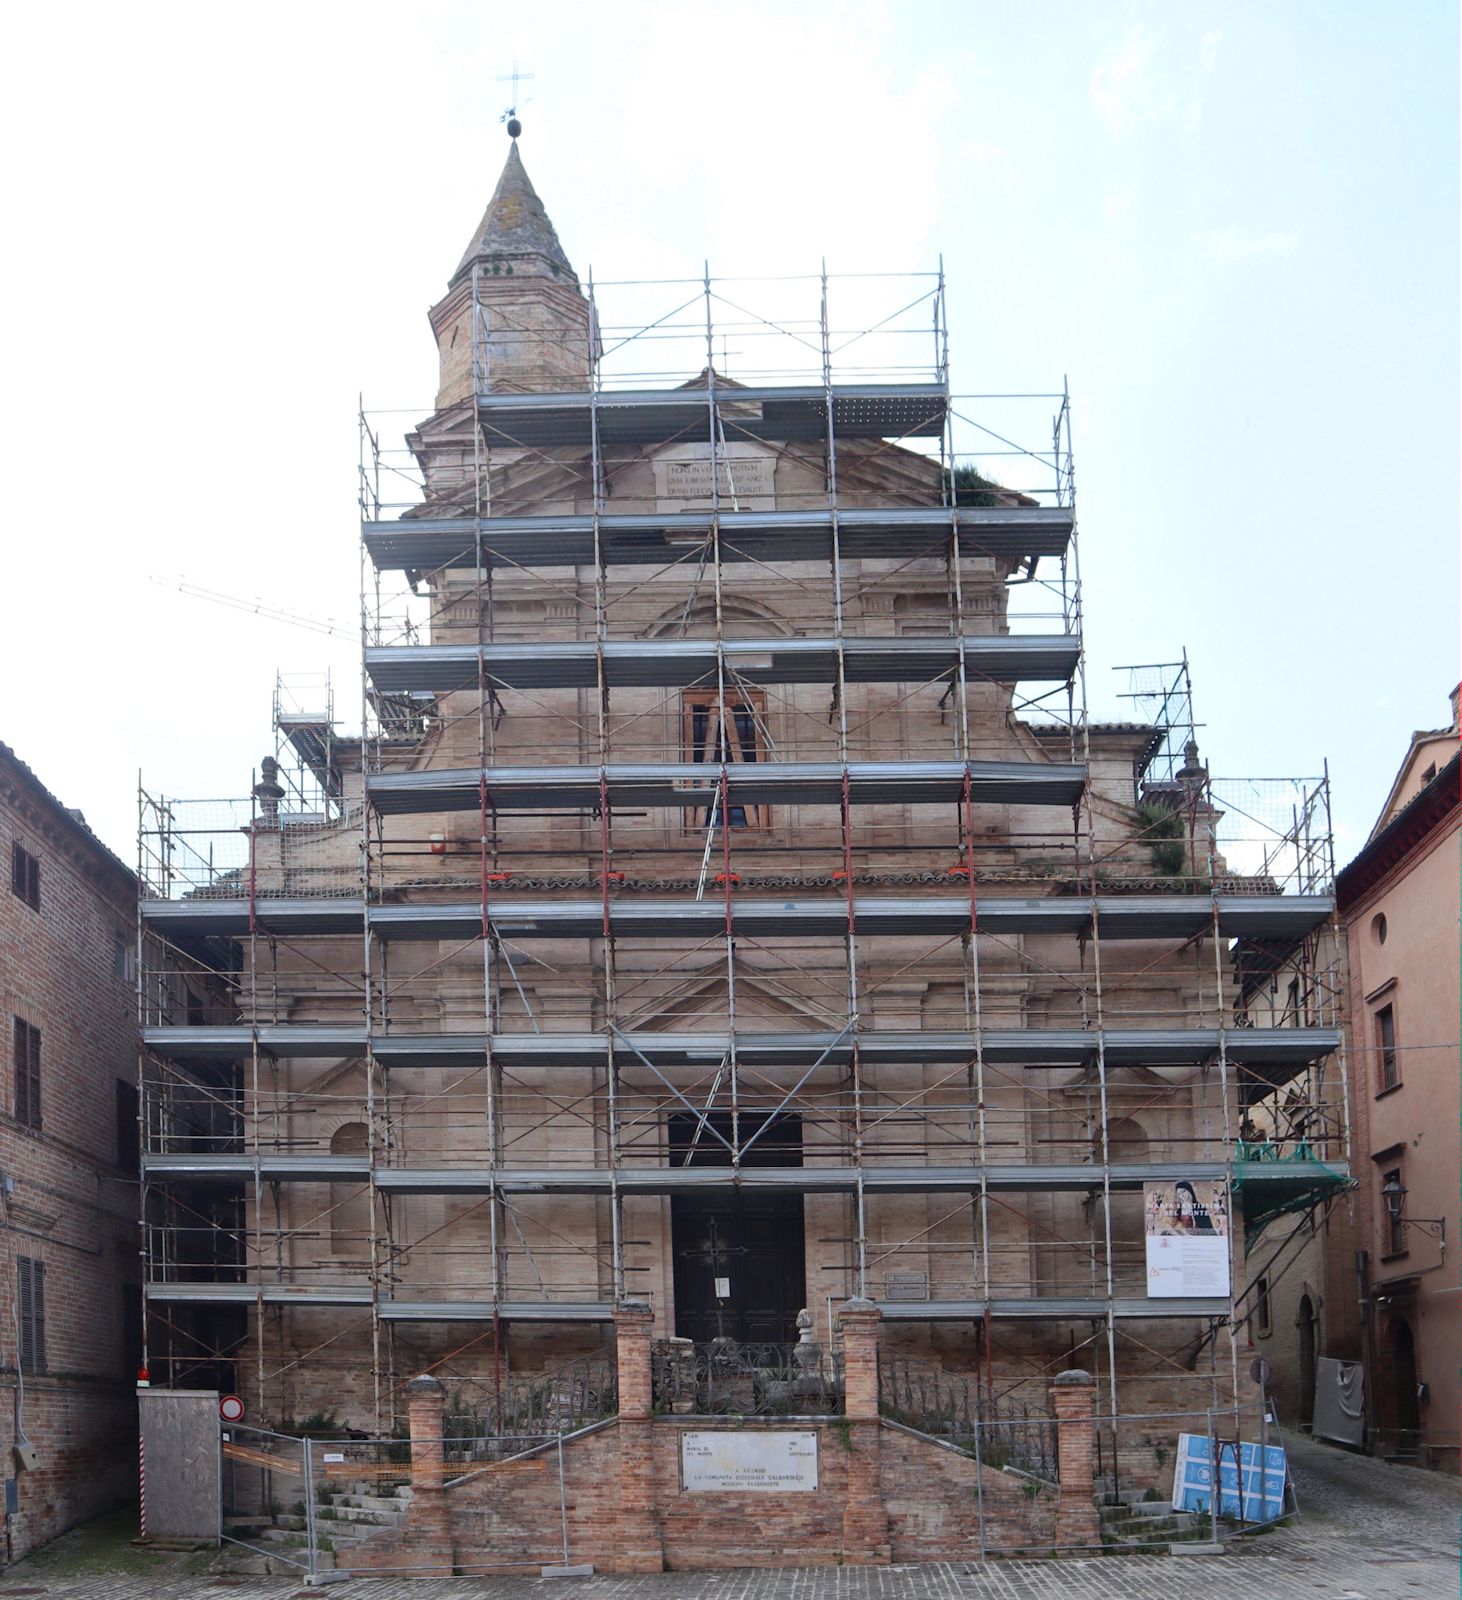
(370, 1501)
(292, 1528)
(1139, 1508)
(392, 1517)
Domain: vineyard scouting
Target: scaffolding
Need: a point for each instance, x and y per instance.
(726, 816)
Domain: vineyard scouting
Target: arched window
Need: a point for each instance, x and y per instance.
(350, 1202)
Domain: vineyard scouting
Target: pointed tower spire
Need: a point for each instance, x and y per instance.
(515, 234)
(513, 317)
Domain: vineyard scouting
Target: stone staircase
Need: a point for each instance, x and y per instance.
(346, 1517)
(1135, 1524)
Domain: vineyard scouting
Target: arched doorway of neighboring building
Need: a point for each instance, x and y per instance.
(1403, 1381)
(1307, 1360)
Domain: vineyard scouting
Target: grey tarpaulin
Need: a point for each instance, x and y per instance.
(1340, 1401)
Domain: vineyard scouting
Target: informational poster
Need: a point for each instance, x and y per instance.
(755, 1463)
(1187, 1233)
(1250, 1478)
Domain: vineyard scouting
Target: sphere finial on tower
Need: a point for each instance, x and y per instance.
(510, 116)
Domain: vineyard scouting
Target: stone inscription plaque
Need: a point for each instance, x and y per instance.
(748, 1463)
(739, 479)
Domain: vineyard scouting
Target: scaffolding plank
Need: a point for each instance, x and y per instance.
(874, 1177)
(783, 413)
(1141, 917)
(232, 1043)
(893, 534)
(1052, 1309)
(229, 916)
(695, 784)
(399, 1310)
(1118, 917)
(695, 1051)
(684, 663)
(1050, 1047)
(277, 1294)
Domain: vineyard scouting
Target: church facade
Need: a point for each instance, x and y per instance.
(729, 909)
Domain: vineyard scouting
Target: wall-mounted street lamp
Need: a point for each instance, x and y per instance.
(1394, 1193)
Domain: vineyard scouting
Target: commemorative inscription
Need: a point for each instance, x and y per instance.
(684, 479)
(748, 1463)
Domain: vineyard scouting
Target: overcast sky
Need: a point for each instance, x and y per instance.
(1233, 226)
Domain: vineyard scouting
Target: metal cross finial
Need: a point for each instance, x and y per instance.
(510, 116)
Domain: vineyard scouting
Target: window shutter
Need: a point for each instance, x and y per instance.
(25, 875)
(22, 1268)
(22, 1072)
(31, 1287)
(35, 1077)
(27, 1074)
(38, 1313)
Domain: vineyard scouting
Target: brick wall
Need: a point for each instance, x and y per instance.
(71, 1206)
(933, 1494)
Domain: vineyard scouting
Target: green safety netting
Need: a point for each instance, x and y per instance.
(1268, 1184)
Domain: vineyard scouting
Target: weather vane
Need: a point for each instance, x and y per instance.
(510, 116)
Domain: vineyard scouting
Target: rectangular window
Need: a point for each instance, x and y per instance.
(31, 1308)
(124, 958)
(1386, 1059)
(25, 876)
(127, 1153)
(27, 1073)
(738, 737)
(1261, 1308)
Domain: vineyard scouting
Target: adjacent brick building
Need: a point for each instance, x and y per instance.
(70, 1281)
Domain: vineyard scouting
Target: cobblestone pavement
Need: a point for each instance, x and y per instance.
(1368, 1532)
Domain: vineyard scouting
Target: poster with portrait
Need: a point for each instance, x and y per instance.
(1187, 1235)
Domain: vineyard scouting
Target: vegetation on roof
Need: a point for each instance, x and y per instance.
(969, 487)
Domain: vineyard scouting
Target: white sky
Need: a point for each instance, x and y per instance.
(1234, 226)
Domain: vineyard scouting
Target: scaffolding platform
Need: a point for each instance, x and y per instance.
(777, 413)
(685, 663)
(426, 544)
(1264, 1050)
(695, 785)
(871, 1178)
(1114, 916)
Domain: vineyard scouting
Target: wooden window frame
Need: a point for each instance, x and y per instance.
(1388, 1061)
(25, 875)
(26, 1039)
(694, 748)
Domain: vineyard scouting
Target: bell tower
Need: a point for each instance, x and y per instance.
(532, 317)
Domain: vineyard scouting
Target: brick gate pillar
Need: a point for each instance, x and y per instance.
(865, 1517)
(428, 1520)
(1073, 1398)
(638, 1545)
